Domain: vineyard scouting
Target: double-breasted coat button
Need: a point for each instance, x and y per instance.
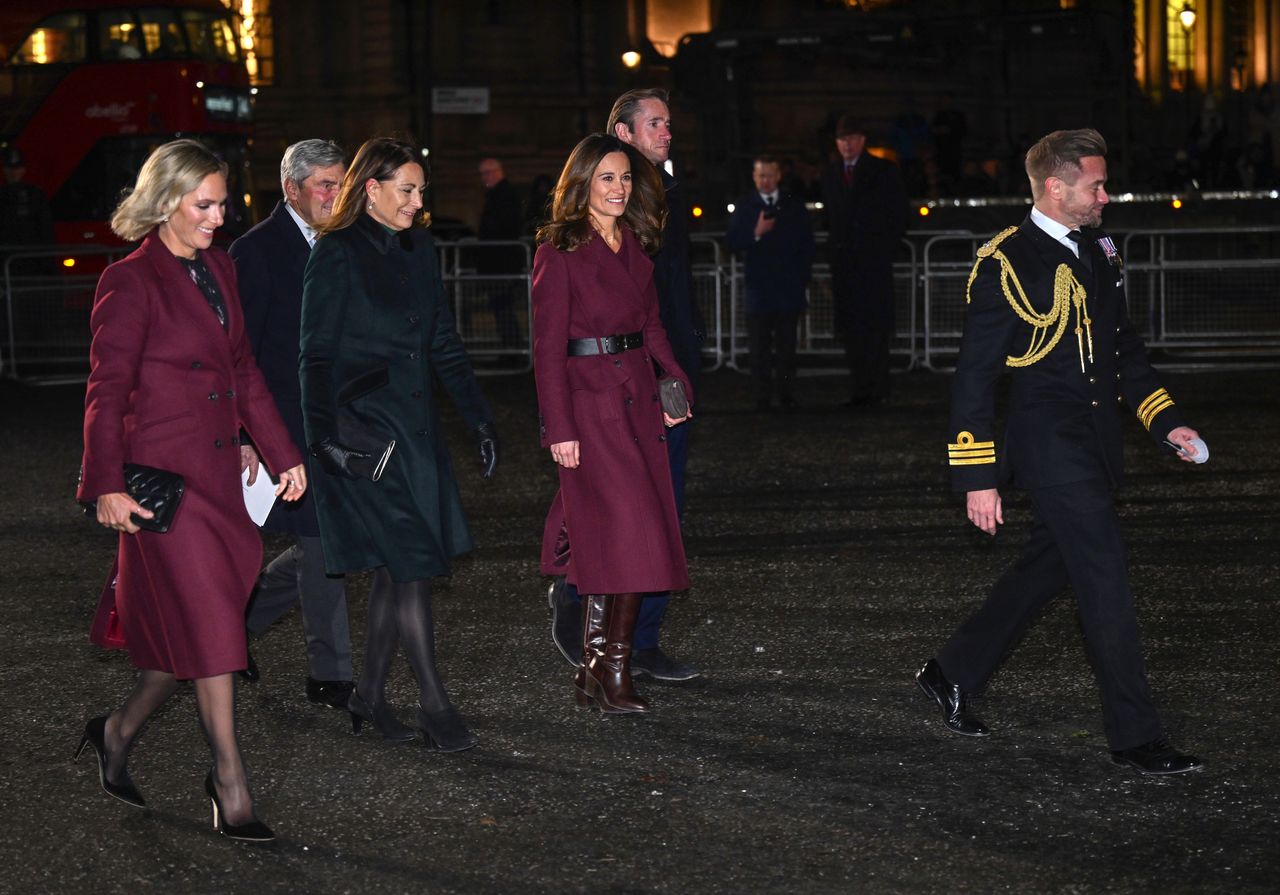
(422, 431)
(213, 396)
(629, 401)
(1119, 399)
(413, 355)
(1094, 403)
(655, 397)
(231, 393)
(413, 319)
(1092, 380)
(618, 362)
(217, 442)
(196, 365)
(1117, 377)
(636, 439)
(662, 438)
(415, 394)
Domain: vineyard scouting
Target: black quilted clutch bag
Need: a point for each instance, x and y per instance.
(157, 490)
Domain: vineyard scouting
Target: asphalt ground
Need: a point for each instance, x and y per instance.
(829, 560)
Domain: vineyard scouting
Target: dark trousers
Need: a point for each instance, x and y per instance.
(1075, 540)
(771, 336)
(654, 606)
(866, 351)
(297, 575)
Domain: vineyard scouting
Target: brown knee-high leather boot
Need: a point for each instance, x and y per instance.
(612, 671)
(593, 631)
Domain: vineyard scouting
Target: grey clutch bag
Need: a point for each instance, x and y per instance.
(675, 403)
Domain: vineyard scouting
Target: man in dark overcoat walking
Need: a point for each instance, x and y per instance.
(501, 219)
(1047, 308)
(270, 261)
(866, 216)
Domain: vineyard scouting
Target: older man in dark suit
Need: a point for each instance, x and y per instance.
(770, 228)
(270, 260)
(866, 216)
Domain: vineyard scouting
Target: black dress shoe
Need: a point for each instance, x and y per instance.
(951, 699)
(1157, 757)
(380, 716)
(250, 671)
(253, 830)
(334, 694)
(566, 621)
(657, 664)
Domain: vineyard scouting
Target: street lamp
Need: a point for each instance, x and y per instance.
(1188, 15)
(631, 59)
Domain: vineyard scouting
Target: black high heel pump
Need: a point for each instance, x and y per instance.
(95, 736)
(253, 831)
(384, 720)
(445, 731)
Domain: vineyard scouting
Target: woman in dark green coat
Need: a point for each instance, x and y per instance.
(376, 327)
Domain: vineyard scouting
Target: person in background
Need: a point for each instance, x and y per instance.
(771, 229)
(270, 260)
(376, 331)
(172, 381)
(866, 217)
(501, 219)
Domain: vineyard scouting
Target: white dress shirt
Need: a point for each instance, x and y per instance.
(308, 233)
(1054, 229)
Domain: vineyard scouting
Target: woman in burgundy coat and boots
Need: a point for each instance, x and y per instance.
(172, 381)
(612, 529)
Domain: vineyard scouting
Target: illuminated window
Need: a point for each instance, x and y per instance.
(59, 38)
(1181, 46)
(253, 24)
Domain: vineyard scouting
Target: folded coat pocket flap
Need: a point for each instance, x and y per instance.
(364, 384)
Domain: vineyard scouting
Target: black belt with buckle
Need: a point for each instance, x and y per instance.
(605, 345)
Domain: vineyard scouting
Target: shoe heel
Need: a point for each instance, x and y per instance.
(84, 744)
(582, 699)
(356, 723)
(216, 825)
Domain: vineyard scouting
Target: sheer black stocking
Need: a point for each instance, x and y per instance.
(215, 699)
(400, 611)
(151, 691)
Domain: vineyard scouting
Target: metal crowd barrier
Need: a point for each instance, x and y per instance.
(1209, 296)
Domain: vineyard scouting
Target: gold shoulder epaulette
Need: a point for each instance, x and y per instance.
(1067, 292)
(967, 452)
(1155, 402)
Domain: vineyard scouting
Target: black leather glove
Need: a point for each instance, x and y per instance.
(335, 458)
(487, 435)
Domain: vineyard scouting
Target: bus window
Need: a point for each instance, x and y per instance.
(59, 38)
(119, 37)
(210, 36)
(161, 34)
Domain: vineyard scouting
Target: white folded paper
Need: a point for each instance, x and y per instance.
(259, 497)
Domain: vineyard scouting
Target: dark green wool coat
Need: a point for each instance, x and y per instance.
(375, 326)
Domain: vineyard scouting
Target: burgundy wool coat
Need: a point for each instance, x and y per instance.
(612, 527)
(168, 387)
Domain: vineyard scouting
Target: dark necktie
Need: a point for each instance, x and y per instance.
(848, 175)
(1082, 244)
(769, 201)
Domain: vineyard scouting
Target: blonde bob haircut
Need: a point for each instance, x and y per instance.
(168, 174)
(570, 223)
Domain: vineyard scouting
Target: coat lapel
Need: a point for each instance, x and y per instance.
(183, 296)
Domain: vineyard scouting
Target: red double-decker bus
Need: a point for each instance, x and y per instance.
(89, 87)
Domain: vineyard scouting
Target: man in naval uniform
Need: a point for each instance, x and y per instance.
(1046, 306)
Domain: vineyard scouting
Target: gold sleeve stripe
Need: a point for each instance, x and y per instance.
(968, 452)
(1155, 402)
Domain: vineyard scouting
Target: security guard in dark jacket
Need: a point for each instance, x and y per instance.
(1047, 307)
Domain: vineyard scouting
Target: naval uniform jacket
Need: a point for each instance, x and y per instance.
(169, 387)
(270, 260)
(1065, 408)
(376, 329)
(617, 509)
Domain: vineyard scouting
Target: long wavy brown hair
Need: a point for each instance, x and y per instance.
(570, 223)
(378, 159)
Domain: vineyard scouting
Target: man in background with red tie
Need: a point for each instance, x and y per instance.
(866, 215)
